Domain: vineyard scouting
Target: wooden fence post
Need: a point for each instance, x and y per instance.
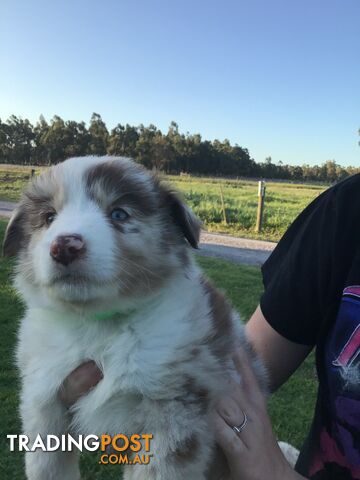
(260, 211)
(223, 205)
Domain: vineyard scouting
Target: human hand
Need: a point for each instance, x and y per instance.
(253, 453)
(85, 377)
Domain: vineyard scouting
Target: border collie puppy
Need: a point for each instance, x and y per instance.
(104, 266)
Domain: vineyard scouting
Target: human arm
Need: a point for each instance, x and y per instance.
(280, 356)
(300, 292)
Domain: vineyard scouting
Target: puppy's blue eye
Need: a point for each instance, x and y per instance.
(119, 215)
(50, 217)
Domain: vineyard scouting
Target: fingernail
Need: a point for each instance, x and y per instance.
(94, 369)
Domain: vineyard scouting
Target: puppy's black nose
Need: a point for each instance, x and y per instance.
(67, 248)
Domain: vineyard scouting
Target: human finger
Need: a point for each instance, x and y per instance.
(249, 382)
(232, 446)
(232, 411)
(79, 382)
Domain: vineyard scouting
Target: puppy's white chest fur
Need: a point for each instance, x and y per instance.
(141, 352)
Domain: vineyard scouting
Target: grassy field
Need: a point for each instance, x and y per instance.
(290, 408)
(283, 201)
(13, 178)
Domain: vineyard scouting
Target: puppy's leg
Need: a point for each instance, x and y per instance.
(182, 444)
(44, 419)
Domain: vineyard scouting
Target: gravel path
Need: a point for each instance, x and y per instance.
(6, 208)
(234, 249)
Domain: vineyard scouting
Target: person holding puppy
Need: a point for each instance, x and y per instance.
(311, 299)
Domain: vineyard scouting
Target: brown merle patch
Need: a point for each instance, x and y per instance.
(180, 214)
(15, 235)
(187, 451)
(220, 340)
(194, 395)
(115, 184)
(40, 198)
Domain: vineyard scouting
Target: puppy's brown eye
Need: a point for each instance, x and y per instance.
(119, 215)
(50, 217)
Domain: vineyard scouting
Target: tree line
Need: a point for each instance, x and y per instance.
(47, 143)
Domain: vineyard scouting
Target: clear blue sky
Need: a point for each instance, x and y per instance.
(279, 77)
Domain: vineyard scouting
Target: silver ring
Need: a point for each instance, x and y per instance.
(241, 427)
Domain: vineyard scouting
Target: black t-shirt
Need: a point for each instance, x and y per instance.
(312, 297)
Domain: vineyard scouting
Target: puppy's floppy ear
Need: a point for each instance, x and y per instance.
(14, 233)
(182, 216)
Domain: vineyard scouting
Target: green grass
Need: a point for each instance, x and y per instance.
(283, 201)
(13, 178)
(290, 407)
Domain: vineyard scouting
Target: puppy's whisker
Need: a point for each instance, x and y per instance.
(143, 268)
(146, 274)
